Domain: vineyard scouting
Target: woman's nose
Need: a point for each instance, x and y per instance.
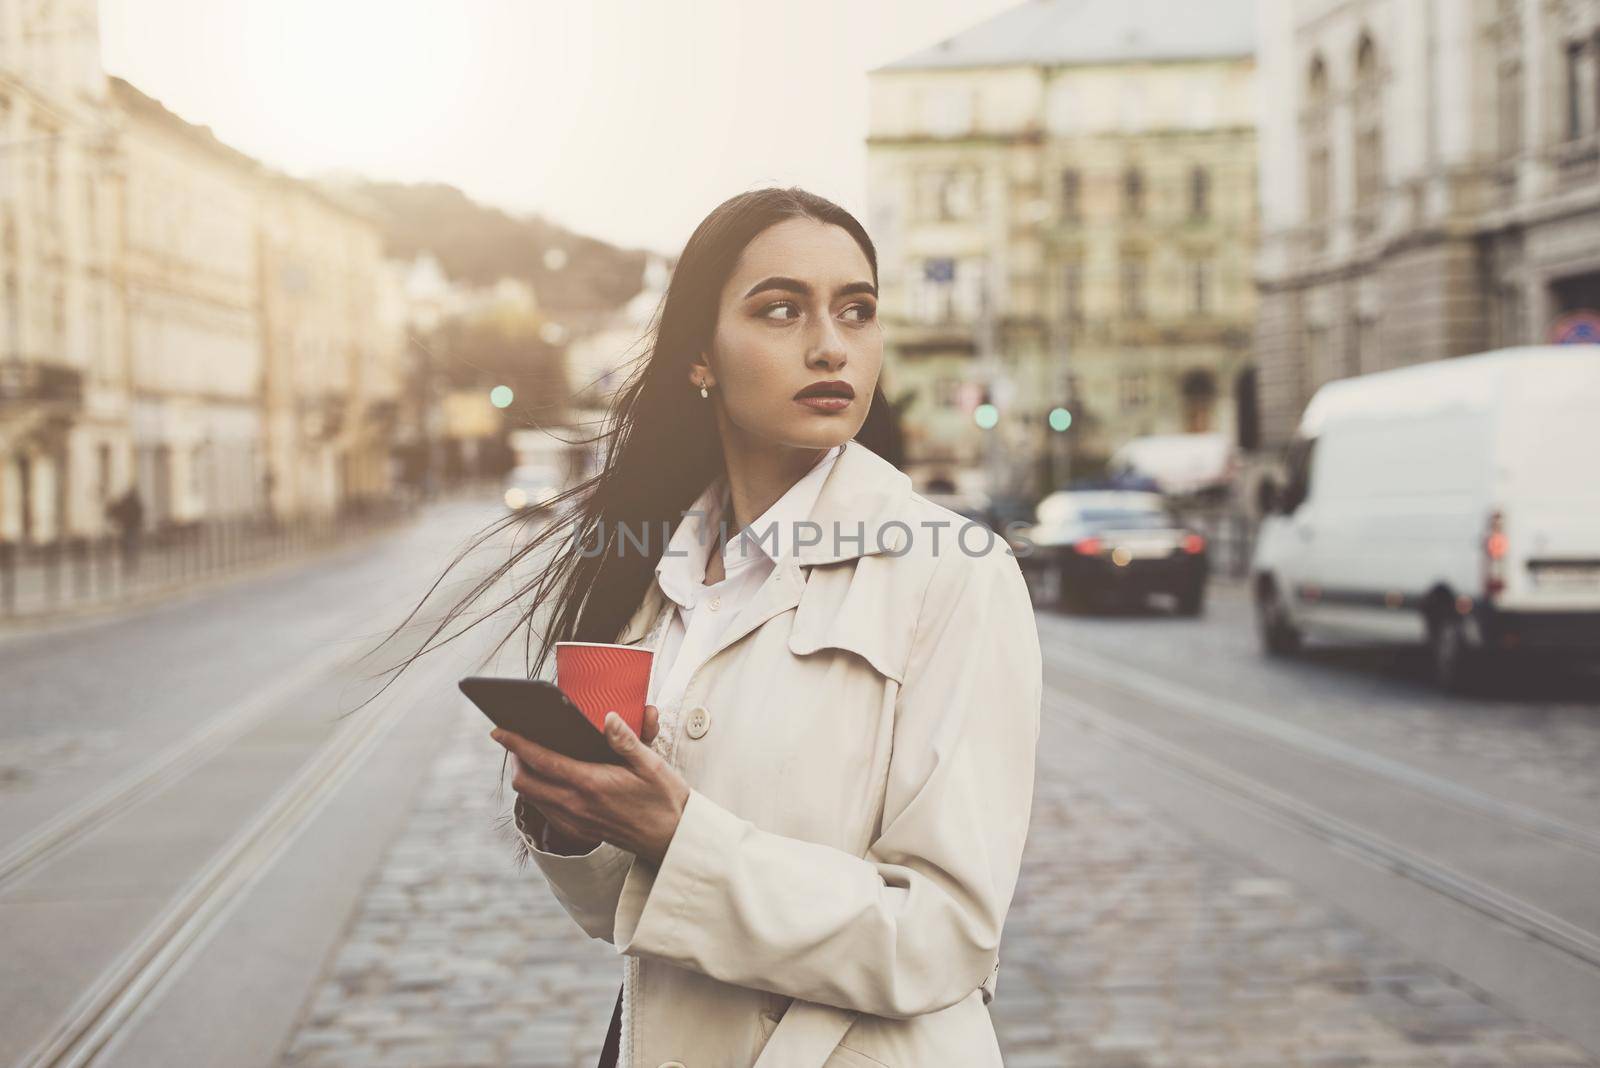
(828, 351)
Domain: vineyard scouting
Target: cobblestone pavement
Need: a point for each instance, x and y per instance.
(1131, 944)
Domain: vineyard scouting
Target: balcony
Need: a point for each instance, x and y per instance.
(27, 384)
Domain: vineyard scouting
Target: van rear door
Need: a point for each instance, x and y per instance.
(1548, 488)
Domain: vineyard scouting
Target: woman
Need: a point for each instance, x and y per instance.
(808, 857)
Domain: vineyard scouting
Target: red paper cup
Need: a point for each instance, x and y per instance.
(603, 678)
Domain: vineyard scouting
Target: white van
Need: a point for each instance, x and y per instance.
(1455, 503)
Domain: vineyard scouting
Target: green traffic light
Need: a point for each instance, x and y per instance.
(986, 416)
(501, 396)
(1060, 419)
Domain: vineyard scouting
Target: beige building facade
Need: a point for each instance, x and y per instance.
(1064, 202)
(193, 325)
(332, 351)
(1430, 184)
(64, 414)
(175, 318)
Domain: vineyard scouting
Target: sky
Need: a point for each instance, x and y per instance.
(625, 119)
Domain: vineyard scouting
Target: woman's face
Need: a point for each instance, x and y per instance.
(799, 310)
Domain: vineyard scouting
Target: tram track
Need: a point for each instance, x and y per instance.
(108, 1006)
(1240, 787)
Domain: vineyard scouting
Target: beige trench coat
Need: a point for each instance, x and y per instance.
(861, 791)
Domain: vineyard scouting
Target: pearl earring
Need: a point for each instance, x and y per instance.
(703, 393)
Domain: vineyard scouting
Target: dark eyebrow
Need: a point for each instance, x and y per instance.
(794, 285)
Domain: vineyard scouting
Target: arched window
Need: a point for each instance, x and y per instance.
(1314, 131)
(1199, 388)
(1368, 125)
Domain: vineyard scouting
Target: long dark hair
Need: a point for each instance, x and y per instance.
(659, 449)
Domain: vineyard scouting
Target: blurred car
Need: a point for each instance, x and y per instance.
(530, 487)
(1095, 548)
(1451, 504)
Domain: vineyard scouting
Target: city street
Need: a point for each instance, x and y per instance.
(1233, 862)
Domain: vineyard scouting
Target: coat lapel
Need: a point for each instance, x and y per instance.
(862, 495)
(862, 492)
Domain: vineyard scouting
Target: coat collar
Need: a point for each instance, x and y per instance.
(863, 495)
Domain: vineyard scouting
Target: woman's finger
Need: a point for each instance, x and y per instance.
(545, 763)
(652, 724)
(639, 756)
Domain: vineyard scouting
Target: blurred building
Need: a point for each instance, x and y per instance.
(64, 417)
(332, 380)
(191, 309)
(175, 318)
(599, 359)
(1064, 200)
(1430, 180)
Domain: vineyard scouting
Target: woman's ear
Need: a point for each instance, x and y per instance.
(700, 373)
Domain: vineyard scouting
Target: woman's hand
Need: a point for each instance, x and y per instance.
(634, 805)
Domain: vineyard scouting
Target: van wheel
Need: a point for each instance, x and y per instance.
(1278, 636)
(1192, 600)
(1450, 657)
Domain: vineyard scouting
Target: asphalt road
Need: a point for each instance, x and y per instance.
(160, 768)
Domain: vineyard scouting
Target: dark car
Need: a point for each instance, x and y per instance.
(1103, 548)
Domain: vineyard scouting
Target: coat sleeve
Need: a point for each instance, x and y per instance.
(913, 926)
(587, 884)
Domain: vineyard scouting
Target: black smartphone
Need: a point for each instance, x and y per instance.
(540, 712)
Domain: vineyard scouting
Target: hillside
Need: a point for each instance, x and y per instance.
(479, 244)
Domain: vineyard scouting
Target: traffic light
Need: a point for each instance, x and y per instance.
(1060, 418)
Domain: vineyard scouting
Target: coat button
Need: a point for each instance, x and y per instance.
(698, 723)
(715, 603)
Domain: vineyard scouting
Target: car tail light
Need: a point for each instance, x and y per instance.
(1495, 546)
(1088, 547)
(1193, 544)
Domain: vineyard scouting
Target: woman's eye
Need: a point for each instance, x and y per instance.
(770, 308)
(864, 312)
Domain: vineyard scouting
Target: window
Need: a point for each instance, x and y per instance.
(1134, 389)
(947, 392)
(1297, 485)
(1314, 124)
(947, 195)
(1199, 388)
(1574, 90)
(1199, 193)
(934, 300)
(1071, 195)
(1200, 286)
(103, 471)
(1508, 79)
(1133, 295)
(1369, 124)
(1072, 290)
(1133, 193)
